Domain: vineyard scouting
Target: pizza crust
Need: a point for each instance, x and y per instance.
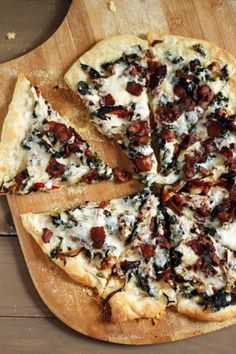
(107, 50)
(78, 268)
(182, 45)
(126, 305)
(192, 309)
(12, 155)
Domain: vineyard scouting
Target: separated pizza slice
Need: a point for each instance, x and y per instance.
(41, 150)
(185, 75)
(86, 241)
(210, 150)
(111, 80)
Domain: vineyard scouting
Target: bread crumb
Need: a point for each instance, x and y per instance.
(11, 35)
(111, 6)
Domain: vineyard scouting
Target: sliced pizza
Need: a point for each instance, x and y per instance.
(86, 241)
(139, 286)
(185, 75)
(40, 150)
(111, 80)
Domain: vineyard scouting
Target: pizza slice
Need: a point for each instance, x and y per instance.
(139, 286)
(210, 149)
(87, 240)
(111, 80)
(40, 150)
(204, 271)
(185, 75)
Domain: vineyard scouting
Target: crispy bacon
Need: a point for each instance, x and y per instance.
(232, 193)
(143, 163)
(119, 111)
(167, 134)
(162, 241)
(134, 89)
(61, 130)
(47, 234)
(176, 203)
(54, 168)
(188, 167)
(168, 113)
(204, 248)
(204, 96)
(214, 129)
(157, 74)
(225, 211)
(209, 145)
(107, 100)
(90, 176)
(139, 131)
(98, 236)
(198, 186)
(148, 250)
(121, 176)
(19, 179)
(104, 263)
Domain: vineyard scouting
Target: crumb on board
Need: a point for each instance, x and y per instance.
(111, 6)
(11, 35)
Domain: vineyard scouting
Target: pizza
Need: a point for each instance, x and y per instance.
(169, 103)
(40, 150)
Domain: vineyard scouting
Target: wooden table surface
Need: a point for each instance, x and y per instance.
(26, 325)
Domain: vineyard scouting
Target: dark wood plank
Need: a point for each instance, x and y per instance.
(18, 296)
(6, 222)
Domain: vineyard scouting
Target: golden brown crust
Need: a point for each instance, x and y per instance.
(183, 44)
(134, 304)
(192, 309)
(12, 154)
(107, 50)
(78, 268)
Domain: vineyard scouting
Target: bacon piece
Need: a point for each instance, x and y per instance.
(153, 224)
(167, 134)
(176, 203)
(201, 213)
(148, 250)
(199, 187)
(134, 89)
(209, 145)
(225, 211)
(158, 73)
(163, 242)
(227, 153)
(204, 95)
(98, 236)
(180, 92)
(47, 234)
(168, 113)
(19, 179)
(61, 130)
(119, 110)
(143, 163)
(102, 204)
(188, 168)
(232, 193)
(121, 176)
(139, 131)
(54, 168)
(90, 176)
(214, 129)
(107, 100)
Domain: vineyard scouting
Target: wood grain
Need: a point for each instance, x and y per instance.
(87, 22)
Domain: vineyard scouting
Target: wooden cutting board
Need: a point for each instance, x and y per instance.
(87, 22)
